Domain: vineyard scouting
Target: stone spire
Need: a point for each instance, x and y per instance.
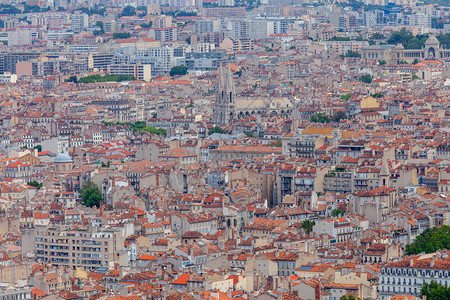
(230, 84)
(220, 81)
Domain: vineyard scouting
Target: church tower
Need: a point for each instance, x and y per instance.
(225, 94)
(385, 175)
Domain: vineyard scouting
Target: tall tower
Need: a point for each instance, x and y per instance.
(384, 173)
(225, 94)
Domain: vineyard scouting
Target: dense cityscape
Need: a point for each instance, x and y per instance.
(225, 149)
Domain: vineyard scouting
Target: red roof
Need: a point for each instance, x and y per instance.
(37, 292)
(182, 279)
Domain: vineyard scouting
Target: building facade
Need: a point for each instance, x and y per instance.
(74, 248)
(408, 275)
(396, 54)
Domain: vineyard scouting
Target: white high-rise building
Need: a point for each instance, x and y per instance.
(260, 29)
(206, 26)
(79, 22)
(19, 37)
(226, 2)
(421, 20)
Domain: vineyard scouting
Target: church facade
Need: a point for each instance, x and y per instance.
(229, 107)
(396, 54)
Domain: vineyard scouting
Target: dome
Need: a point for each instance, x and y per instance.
(63, 158)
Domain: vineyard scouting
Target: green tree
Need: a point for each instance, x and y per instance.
(437, 23)
(140, 126)
(339, 115)
(100, 25)
(435, 291)
(378, 36)
(128, 11)
(337, 212)
(277, 143)
(400, 37)
(143, 11)
(106, 78)
(147, 25)
(340, 38)
(320, 118)
(308, 225)
(178, 70)
(90, 194)
(36, 184)
(350, 297)
(351, 53)
(381, 62)
(73, 79)
(216, 129)
(415, 77)
(38, 147)
(346, 97)
(377, 95)
(431, 240)
(366, 78)
(121, 35)
(444, 39)
(249, 134)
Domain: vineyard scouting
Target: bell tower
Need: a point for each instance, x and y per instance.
(224, 98)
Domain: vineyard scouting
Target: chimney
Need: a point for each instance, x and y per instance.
(317, 292)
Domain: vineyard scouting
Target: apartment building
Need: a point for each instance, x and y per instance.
(407, 275)
(8, 292)
(140, 72)
(79, 22)
(87, 248)
(165, 34)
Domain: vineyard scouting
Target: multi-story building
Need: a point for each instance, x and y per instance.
(225, 12)
(7, 292)
(100, 61)
(87, 248)
(120, 108)
(45, 67)
(203, 62)
(338, 182)
(421, 20)
(8, 78)
(407, 275)
(8, 61)
(18, 170)
(165, 34)
(341, 229)
(299, 146)
(79, 22)
(206, 26)
(19, 37)
(162, 59)
(139, 71)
